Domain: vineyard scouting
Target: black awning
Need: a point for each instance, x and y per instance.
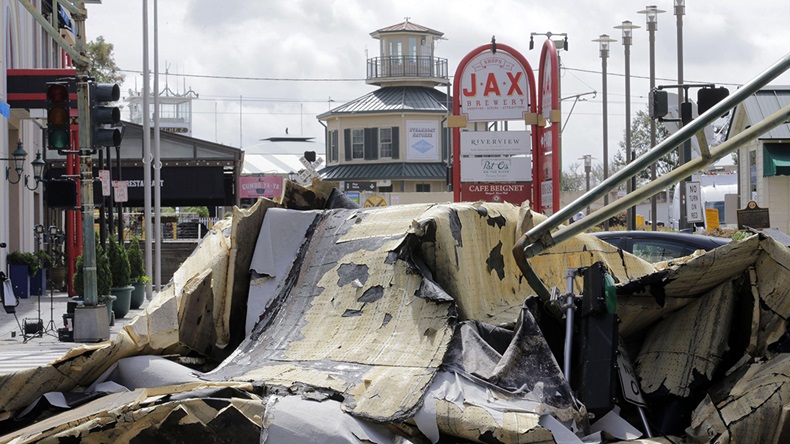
(386, 171)
(181, 186)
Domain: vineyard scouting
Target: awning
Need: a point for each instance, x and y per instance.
(180, 186)
(384, 171)
(776, 159)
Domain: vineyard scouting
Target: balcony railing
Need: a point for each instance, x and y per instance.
(407, 66)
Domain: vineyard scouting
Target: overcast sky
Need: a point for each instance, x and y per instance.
(283, 61)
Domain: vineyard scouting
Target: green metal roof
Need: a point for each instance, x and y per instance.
(383, 171)
(395, 99)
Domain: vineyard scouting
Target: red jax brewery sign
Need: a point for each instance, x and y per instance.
(494, 86)
(494, 82)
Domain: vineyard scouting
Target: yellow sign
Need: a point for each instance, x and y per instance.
(640, 220)
(712, 218)
(375, 201)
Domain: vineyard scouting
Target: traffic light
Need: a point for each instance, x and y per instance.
(58, 120)
(658, 106)
(104, 115)
(708, 97)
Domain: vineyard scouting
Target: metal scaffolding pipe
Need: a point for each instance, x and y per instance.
(540, 234)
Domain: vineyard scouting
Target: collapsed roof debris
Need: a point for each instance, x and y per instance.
(329, 323)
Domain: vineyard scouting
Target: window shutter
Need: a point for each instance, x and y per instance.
(347, 143)
(371, 143)
(395, 143)
(335, 148)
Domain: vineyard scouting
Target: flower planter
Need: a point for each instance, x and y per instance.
(108, 301)
(20, 280)
(38, 283)
(138, 296)
(122, 302)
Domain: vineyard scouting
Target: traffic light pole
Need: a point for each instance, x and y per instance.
(90, 321)
(86, 186)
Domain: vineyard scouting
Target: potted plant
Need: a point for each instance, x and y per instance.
(22, 266)
(38, 281)
(103, 280)
(137, 272)
(121, 278)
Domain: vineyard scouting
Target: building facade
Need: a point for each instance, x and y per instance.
(25, 45)
(394, 139)
(764, 163)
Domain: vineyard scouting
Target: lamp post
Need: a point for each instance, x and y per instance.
(603, 45)
(684, 154)
(627, 27)
(587, 158)
(651, 15)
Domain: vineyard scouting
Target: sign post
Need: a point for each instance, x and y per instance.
(548, 157)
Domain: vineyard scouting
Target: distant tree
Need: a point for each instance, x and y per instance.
(640, 143)
(102, 62)
(572, 178)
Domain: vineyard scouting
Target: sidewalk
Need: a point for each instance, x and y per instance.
(16, 354)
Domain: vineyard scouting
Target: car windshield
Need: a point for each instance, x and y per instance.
(657, 250)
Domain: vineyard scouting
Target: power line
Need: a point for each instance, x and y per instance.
(266, 79)
(326, 79)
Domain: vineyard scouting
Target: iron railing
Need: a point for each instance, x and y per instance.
(407, 66)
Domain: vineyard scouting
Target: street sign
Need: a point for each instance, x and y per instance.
(375, 201)
(121, 189)
(695, 210)
(104, 176)
(630, 385)
(359, 186)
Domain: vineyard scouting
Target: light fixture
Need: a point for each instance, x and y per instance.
(651, 15)
(603, 44)
(627, 27)
(680, 7)
(38, 171)
(18, 156)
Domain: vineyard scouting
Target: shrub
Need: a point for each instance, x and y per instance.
(103, 277)
(29, 259)
(136, 265)
(119, 264)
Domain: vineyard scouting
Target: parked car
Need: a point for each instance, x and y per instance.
(657, 246)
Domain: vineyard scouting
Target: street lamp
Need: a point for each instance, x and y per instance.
(651, 15)
(627, 27)
(684, 153)
(603, 45)
(587, 158)
(18, 156)
(38, 171)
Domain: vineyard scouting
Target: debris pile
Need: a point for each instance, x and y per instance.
(323, 322)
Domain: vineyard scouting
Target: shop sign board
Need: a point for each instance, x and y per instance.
(496, 169)
(495, 143)
(514, 193)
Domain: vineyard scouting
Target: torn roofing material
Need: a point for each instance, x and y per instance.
(365, 323)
